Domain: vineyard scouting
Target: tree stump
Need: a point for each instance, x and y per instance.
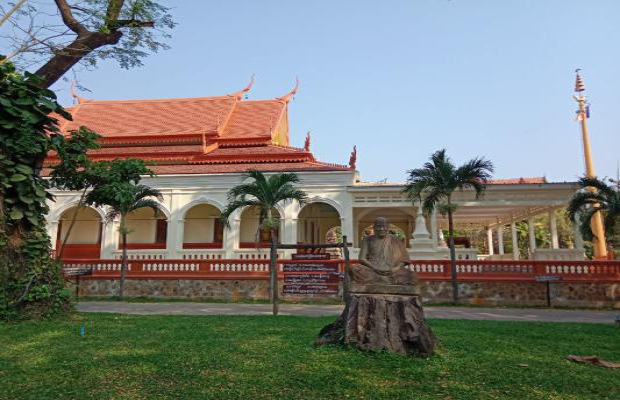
(382, 321)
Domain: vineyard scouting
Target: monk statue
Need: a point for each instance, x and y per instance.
(383, 259)
(383, 309)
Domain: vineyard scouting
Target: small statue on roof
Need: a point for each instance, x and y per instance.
(307, 142)
(353, 158)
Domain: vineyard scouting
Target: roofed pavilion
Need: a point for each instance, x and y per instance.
(199, 149)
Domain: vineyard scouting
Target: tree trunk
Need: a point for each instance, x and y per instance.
(121, 287)
(273, 272)
(376, 322)
(455, 287)
(66, 58)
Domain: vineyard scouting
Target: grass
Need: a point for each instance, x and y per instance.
(258, 357)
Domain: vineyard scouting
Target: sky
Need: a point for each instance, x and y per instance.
(402, 79)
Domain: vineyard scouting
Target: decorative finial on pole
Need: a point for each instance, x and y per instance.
(579, 86)
(600, 249)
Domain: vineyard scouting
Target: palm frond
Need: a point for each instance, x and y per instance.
(605, 190)
(141, 203)
(582, 200)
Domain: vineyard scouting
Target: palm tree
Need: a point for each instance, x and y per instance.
(433, 185)
(596, 197)
(265, 193)
(122, 198)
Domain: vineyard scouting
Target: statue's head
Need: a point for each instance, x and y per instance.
(381, 227)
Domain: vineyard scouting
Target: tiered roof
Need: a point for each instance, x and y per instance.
(202, 135)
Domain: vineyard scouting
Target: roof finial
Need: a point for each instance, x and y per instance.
(287, 97)
(579, 86)
(353, 158)
(246, 89)
(75, 95)
(307, 142)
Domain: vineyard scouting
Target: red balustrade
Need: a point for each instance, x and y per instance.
(469, 270)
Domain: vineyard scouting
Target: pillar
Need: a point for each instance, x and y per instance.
(434, 229)
(578, 237)
(52, 231)
(500, 240)
(531, 233)
(231, 235)
(109, 239)
(553, 223)
(490, 241)
(515, 240)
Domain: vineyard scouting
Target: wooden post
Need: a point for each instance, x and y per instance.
(345, 279)
(273, 275)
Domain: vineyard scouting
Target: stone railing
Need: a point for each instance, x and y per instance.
(202, 254)
(472, 270)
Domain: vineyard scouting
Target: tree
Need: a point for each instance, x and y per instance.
(597, 197)
(265, 193)
(434, 184)
(32, 285)
(56, 37)
(122, 194)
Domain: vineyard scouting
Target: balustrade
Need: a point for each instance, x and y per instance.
(470, 270)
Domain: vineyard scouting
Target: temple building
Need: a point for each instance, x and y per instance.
(199, 148)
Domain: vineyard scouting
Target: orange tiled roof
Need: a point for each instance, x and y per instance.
(517, 181)
(195, 135)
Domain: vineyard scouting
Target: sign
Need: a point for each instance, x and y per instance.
(78, 271)
(312, 277)
(330, 277)
(311, 256)
(311, 289)
(547, 278)
(310, 267)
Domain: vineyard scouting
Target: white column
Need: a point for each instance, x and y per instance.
(232, 233)
(578, 237)
(531, 233)
(500, 240)
(434, 230)
(109, 239)
(515, 241)
(52, 231)
(490, 241)
(180, 229)
(554, 230)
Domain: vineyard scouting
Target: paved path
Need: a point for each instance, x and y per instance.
(475, 313)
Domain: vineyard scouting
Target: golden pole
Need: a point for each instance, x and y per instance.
(599, 242)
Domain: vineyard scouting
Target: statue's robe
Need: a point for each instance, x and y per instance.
(389, 259)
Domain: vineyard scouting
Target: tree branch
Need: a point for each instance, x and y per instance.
(69, 19)
(113, 11)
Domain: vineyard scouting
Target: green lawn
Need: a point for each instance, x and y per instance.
(148, 357)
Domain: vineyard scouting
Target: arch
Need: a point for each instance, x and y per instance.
(58, 211)
(249, 228)
(147, 230)
(84, 232)
(203, 228)
(318, 199)
(314, 220)
(201, 200)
